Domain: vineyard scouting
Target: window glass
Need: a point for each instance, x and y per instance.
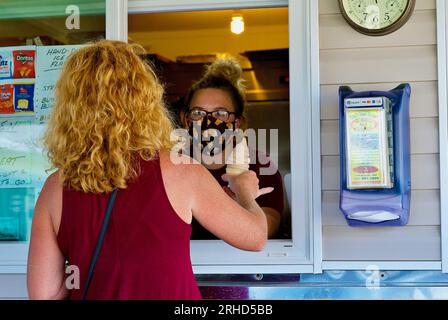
(181, 44)
(36, 38)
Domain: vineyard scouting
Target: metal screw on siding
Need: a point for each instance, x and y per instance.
(259, 276)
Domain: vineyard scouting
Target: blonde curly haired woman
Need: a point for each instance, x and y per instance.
(109, 130)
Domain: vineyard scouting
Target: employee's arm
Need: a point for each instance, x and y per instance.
(46, 264)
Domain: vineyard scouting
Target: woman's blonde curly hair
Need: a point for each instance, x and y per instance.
(108, 111)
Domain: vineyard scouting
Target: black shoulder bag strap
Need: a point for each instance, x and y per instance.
(99, 243)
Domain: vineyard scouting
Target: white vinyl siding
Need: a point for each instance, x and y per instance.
(381, 63)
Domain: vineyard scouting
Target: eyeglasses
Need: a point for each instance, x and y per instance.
(198, 114)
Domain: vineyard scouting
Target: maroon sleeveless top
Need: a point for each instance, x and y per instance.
(146, 250)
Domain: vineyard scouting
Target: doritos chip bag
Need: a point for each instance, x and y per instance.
(5, 64)
(23, 97)
(24, 63)
(6, 98)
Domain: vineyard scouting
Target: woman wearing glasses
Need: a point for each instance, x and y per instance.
(215, 103)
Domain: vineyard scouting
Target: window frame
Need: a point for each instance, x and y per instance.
(14, 254)
(302, 254)
(305, 255)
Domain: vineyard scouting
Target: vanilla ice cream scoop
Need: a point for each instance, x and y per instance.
(239, 160)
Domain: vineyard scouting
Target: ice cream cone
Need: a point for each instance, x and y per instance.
(238, 161)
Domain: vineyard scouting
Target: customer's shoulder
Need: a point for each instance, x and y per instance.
(50, 197)
(179, 163)
(185, 173)
(53, 182)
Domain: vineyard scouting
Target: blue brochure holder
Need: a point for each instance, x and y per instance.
(379, 206)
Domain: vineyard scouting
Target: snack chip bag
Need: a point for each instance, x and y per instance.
(23, 97)
(5, 64)
(24, 63)
(6, 98)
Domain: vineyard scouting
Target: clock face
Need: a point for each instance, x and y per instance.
(376, 15)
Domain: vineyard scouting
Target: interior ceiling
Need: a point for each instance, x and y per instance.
(201, 34)
(214, 19)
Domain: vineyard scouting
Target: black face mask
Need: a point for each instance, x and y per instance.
(210, 136)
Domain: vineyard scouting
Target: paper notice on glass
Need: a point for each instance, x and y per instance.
(368, 147)
(16, 139)
(50, 60)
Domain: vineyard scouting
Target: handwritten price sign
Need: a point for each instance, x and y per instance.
(15, 156)
(50, 60)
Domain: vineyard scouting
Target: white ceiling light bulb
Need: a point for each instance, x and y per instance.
(237, 24)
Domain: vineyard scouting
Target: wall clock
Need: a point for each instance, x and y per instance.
(376, 17)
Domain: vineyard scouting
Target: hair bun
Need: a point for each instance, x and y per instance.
(229, 69)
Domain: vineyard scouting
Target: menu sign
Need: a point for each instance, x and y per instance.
(49, 66)
(369, 150)
(15, 154)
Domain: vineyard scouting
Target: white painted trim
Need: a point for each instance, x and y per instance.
(442, 32)
(316, 144)
(217, 252)
(145, 6)
(117, 20)
(13, 257)
(382, 265)
(253, 269)
(19, 269)
(300, 66)
(209, 269)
